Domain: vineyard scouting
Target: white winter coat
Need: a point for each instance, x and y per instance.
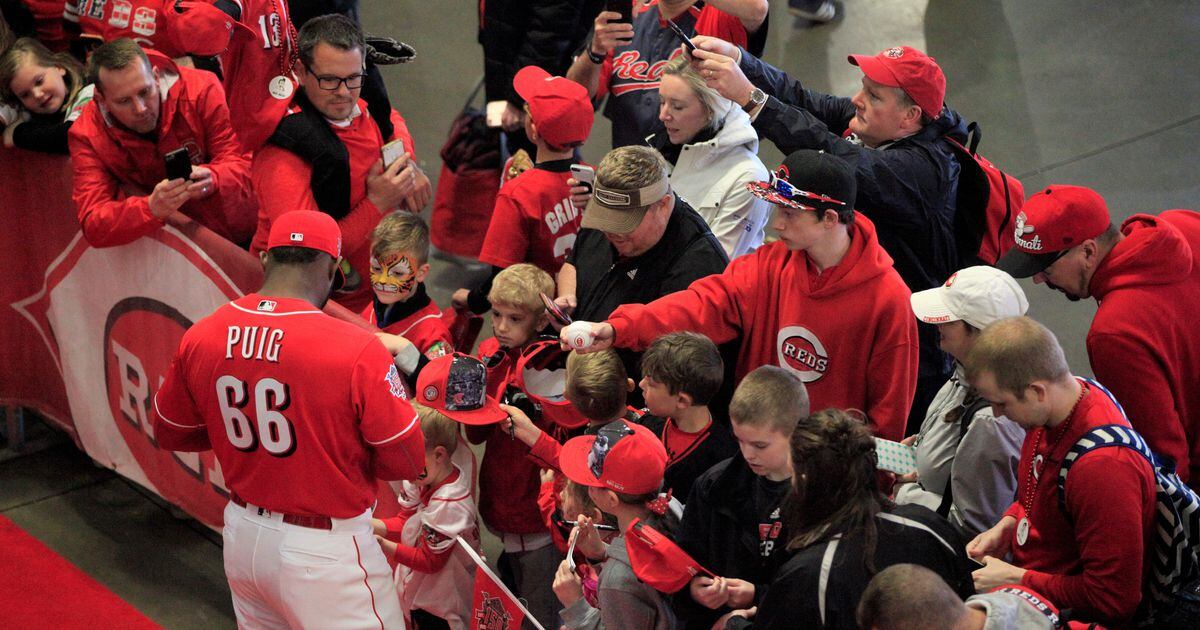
(711, 177)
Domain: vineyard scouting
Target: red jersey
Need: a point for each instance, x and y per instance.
(115, 169)
(302, 411)
(143, 21)
(1090, 556)
(423, 327)
(257, 55)
(849, 333)
(534, 220)
(282, 183)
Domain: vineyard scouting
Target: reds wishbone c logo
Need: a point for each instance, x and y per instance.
(895, 52)
(800, 351)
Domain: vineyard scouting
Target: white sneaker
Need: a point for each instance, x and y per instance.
(824, 13)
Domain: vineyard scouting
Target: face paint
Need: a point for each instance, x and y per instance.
(396, 274)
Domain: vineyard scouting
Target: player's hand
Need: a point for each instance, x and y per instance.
(995, 572)
(388, 547)
(520, 426)
(512, 118)
(747, 613)
(421, 191)
(722, 73)
(993, 542)
(589, 543)
(581, 194)
(602, 338)
(459, 299)
(378, 528)
(395, 344)
(385, 187)
(741, 593)
(567, 586)
(167, 196)
(610, 34)
(716, 45)
(709, 592)
(200, 183)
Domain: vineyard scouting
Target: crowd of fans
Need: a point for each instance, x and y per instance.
(731, 388)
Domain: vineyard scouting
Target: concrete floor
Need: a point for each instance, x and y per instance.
(1097, 94)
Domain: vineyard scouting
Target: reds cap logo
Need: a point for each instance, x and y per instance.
(1019, 232)
(298, 237)
(950, 280)
(802, 353)
(895, 52)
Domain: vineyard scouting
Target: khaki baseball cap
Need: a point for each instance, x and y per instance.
(619, 210)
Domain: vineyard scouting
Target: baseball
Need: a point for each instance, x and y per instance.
(578, 335)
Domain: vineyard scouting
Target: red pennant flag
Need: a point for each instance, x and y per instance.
(494, 607)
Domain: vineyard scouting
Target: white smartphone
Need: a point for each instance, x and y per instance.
(896, 457)
(584, 174)
(392, 151)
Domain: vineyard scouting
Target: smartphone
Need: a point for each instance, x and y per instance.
(179, 164)
(584, 174)
(687, 41)
(895, 457)
(976, 561)
(556, 313)
(392, 152)
(624, 7)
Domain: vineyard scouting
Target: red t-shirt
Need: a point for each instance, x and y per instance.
(302, 411)
(534, 221)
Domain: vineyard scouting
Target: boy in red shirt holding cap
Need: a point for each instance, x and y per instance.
(534, 220)
(1145, 275)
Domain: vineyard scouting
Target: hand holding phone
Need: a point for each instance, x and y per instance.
(624, 7)
(392, 151)
(583, 175)
(178, 164)
(895, 457)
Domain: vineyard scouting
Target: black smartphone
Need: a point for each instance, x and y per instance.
(179, 164)
(624, 7)
(687, 41)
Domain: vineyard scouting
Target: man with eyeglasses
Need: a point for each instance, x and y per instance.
(1145, 275)
(325, 154)
(823, 302)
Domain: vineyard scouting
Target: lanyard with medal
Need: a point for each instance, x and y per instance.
(1036, 466)
(281, 87)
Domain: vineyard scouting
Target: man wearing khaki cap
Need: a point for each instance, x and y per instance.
(1145, 275)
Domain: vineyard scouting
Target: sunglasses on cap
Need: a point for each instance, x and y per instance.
(781, 192)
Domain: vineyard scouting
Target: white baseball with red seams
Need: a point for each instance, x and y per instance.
(579, 335)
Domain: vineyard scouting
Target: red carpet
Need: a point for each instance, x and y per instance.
(40, 589)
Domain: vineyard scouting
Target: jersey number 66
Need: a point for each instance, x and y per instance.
(274, 430)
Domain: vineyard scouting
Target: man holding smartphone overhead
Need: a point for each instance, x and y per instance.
(145, 109)
(632, 43)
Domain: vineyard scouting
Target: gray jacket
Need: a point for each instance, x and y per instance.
(625, 602)
(982, 466)
(1006, 611)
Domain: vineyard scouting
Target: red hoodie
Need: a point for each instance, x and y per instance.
(1143, 344)
(852, 340)
(116, 169)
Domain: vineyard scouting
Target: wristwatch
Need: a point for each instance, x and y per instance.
(757, 98)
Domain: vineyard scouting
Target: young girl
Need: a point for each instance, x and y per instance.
(49, 92)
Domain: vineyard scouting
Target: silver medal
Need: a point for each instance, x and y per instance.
(281, 88)
(1022, 530)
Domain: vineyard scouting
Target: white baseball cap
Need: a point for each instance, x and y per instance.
(978, 296)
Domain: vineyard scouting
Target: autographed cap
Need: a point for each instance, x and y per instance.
(627, 458)
(199, 28)
(978, 296)
(809, 180)
(560, 107)
(306, 228)
(1052, 221)
(542, 375)
(456, 385)
(658, 561)
(910, 70)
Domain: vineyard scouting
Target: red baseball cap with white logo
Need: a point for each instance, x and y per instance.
(542, 375)
(627, 458)
(910, 70)
(560, 107)
(456, 385)
(1051, 222)
(306, 228)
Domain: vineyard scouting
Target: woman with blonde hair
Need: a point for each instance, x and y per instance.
(48, 92)
(713, 152)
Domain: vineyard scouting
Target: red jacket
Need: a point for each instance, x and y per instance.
(282, 183)
(1090, 558)
(852, 340)
(1143, 344)
(115, 169)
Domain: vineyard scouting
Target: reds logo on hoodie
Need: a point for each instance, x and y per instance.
(801, 352)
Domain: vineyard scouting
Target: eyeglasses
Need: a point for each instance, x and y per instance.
(353, 82)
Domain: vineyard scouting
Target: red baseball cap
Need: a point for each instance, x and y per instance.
(627, 458)
(559, 106)
(456, 385)
(199, 28)
(306, 228)
(658, 561)
(542, 375)
(1053, 221)
(910, 70)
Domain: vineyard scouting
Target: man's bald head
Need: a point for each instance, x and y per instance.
(908, 597)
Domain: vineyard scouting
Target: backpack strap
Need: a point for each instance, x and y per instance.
(968, 416)
(974, 135)
(1103, 437)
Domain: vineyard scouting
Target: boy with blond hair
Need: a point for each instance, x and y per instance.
(399, 266)
(731, 524)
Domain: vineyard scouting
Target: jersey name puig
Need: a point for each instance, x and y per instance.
(258, 343)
